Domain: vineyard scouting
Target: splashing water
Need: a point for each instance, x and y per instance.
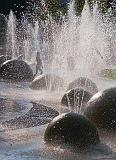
(79, 47)
(85, 40)
(81, 42)
(11, 36)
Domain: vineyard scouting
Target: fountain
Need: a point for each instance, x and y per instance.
(11, 36)
(80, 46)
(89, 39)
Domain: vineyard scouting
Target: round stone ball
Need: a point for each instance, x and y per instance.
(85, 83)
(76, 99)
(16, 70)
(47, 82)
(101, 109)
(71, 130)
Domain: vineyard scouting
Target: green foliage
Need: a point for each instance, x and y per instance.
(55, 8)
(79, 6)
(109, 73)
(103, 5)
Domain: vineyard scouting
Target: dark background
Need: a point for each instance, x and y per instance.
(22, 6)
(18, 6)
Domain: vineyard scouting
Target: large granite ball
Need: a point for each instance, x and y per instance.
(16, 70)
(71, 130)
(101, 109)
(85, 83)
(48, 82)
(76, 99)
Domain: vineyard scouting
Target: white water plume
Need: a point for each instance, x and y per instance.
(12, 36)
(80, 46)
(86, 39)
(30, 43)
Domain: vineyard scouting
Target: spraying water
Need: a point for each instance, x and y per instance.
(12, 36)
(80, 46)
(81, 42)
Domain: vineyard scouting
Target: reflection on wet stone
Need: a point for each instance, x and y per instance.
(38, 115)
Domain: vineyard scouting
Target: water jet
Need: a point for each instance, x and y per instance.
(76, 99)
(89, 39)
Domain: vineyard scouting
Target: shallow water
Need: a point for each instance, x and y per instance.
(27, 143)
(81, 38)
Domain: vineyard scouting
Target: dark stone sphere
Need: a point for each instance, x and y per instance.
(16, 70)
(71, 130)
(101, 109)
(48, 81)
(85, 83)
(76, 99)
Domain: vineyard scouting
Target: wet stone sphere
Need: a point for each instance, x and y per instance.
(85, 83)
(71, 130)
(47, 82)
(101, 109)
(16, 70)
(76, 99)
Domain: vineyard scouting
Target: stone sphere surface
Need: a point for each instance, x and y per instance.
(16, 70)
(101, 109)
(47, 81)
(76, 98)
(71, 129)
(85, 83)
